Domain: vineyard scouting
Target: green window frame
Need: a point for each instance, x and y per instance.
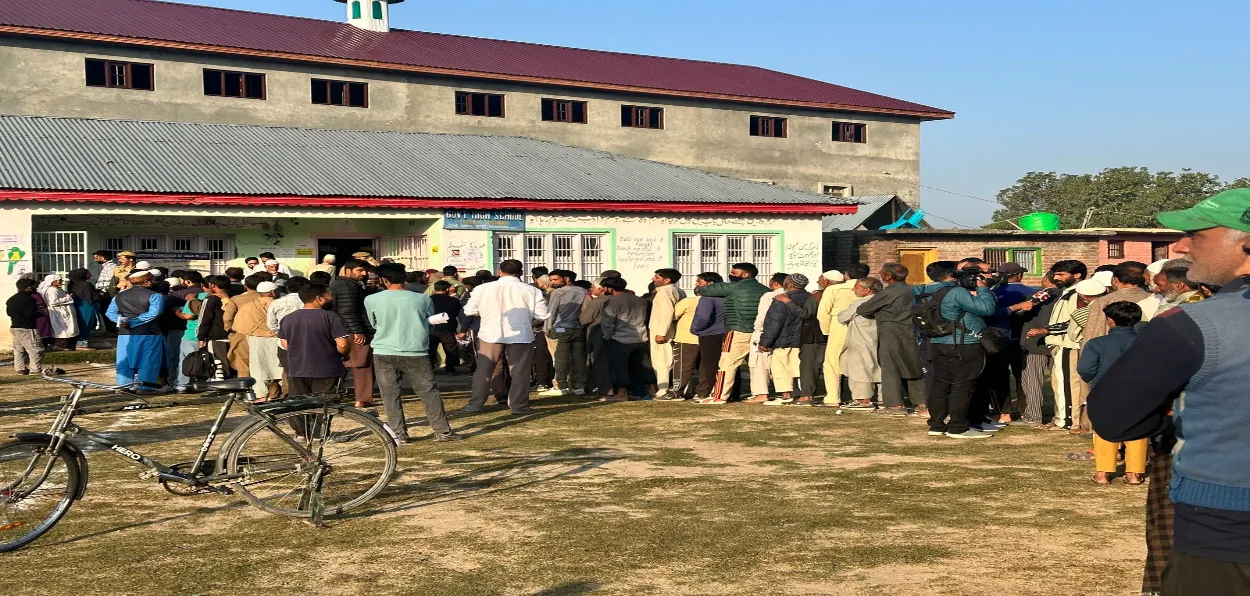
(377, 10)
(998, 256)
(355, 9)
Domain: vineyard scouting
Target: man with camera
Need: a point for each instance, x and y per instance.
(950, 314)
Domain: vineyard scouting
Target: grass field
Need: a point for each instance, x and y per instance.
(585, 498)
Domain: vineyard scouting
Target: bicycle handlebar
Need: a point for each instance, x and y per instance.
(81, 383)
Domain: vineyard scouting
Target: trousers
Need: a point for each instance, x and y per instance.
(832, 367)
(864, 390)
(686, 361)
(1160, 515)
(758, 364)
(811, 361)
(451, 349)
(540, 360)
(955, 371)
(709, 362)
(1134, 455)
(520, 358)
(1032, 378)
(662, 358)
(783, 364)
(360, 361)
(1191, 575)
(570, 361)
(626, 363)
(734, 350)
(1067, 386)
(139, 358)
(419, 373)
(27, 350)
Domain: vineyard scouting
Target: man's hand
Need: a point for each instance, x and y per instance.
(460, 336)
(782, 298)
(1027, 305)
(660, 339)
(1035, 332)
(358, 339)
(765, 349)
(203, 344)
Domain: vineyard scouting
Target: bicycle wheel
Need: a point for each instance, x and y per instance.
(358, 452)
(36, 490)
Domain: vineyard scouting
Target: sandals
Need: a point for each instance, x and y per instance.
(1103, 481)
(1080, 456)
(1129, 479)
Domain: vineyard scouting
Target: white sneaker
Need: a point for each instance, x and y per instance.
(969, 434)
(936, 433)
(778, 402)
(556, 392)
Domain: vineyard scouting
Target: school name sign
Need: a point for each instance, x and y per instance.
(505, 221)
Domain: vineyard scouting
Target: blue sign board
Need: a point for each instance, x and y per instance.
(509, 221)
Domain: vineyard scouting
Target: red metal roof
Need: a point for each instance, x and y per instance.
(186, 26)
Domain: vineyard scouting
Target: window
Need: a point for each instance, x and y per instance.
(181, 244)
(1029, 258)
(340, 93)
(768, 126)
(564, 110)
(120, 75)
(479, 104)
(580, 253)
(355, 9)
(847, 132)
(1115, 249)
(696, 253)
(150, 244)
(225, 83)
(834, 190)
(642, 117)
(115, 243)
(1160, 250)
(411, 251)
(377, 10)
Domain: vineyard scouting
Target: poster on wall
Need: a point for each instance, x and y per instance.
(506, 221)
(465, 251)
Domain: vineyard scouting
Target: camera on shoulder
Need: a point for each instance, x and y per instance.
(968, 277)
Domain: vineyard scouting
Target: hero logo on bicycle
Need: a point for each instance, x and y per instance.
(126, 452)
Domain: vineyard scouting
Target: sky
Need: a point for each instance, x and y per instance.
(1065, 86)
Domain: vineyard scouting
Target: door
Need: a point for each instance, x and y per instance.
(1159, 250)
(916, 260)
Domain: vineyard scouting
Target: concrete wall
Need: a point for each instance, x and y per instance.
(46, 78)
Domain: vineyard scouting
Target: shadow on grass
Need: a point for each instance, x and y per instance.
(144, 524)
(574, 588)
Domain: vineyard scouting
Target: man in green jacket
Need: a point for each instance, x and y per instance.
(742, 301)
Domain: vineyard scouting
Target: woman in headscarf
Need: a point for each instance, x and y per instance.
(85, 295)
(60, 312)
(42, 324)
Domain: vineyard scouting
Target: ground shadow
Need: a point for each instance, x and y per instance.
(573, 588)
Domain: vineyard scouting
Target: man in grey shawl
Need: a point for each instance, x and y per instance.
(897, 350)
(859, 352)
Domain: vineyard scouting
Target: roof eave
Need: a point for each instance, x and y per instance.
(429, 70)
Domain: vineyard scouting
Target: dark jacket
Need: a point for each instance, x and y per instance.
(1101, 352)
(783, 328)
(349, 303)
(742, 302)
(23, 310)
(450, 305)
(212, 325)
(811, 324)
(709, 317)
(961, 306)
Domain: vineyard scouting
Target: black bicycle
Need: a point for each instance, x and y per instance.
(305, 457)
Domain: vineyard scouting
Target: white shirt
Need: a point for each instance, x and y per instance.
(282, 268)
(765, 302)
(508, 308)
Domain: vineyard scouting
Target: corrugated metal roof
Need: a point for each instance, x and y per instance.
(167, 21)
(75, 154)
(868, 205)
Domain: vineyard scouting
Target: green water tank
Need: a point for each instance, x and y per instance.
(1039, 222)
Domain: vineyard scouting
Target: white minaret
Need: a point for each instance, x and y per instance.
(372, 15)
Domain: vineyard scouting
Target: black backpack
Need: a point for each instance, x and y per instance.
(199, 365)
(926, 315)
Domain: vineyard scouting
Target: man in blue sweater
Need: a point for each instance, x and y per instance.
(958, 357)
(1198, 349)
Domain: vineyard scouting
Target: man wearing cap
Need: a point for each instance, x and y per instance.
(1063, 378)
(782, 337)
(140, 342)
(367, 257)
(837, 296)
(252, 321)
(125, 266)
(1013, 304)
(327, 265)
(1199, 349)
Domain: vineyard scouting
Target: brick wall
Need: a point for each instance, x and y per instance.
(1138, 248)
(876, 249)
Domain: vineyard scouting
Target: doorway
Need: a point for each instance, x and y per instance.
(916, 260)
(342, 248)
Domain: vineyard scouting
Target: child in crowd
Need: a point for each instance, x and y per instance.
(1099, 354)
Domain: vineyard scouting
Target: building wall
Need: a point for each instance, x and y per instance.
(1137, 248)
(876, 249)
(47, 78)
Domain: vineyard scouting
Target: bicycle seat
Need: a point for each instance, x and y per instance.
(235, 384)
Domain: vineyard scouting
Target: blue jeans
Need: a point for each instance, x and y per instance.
(185, 348)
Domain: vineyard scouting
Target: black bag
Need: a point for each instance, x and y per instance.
(993, 340)
(199, 365)
(927, 315)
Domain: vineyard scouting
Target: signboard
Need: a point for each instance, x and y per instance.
(172, 256)
(506, 221)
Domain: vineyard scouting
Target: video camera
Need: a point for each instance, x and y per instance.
(967, 278)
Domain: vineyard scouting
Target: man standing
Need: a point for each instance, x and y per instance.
(592, 308)
(262, 343)
(742, 302)
(211, 331)
(565, 329)
(444, 334)
(507, 309)
(1064, 380)
(239, 356)
(815, 347)
(836, 298)
(140, 343)
(23, 313)
(958, 357)
(859, 353)
(708, 325)
(266, 258)
(327, 265)
(782, 337)
(1037, 358)
(104, 282)
(1198, 349)
(758, 362)
(401, 345)
(1128, 284)
(316, 341)
(624, 327)
(348, 295)
(1014, 302)
(897, 350)
(685, 350)
(662, 327)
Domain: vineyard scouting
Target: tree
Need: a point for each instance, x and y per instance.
(1125, 197)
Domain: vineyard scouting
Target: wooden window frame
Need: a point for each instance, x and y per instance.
(859, 133)
(264, 83)
(1115, 249)
(465, 99)
(648, 112)
(108, 80)
(347, 85)
(775, 127)
(552, 105)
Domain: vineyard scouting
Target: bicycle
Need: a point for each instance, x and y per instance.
(337, 458)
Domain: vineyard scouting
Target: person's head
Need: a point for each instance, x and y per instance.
(266, 288)
(1122, 314)
(251, 262)
(560, 278)
(27, 285)
(272, 266)
(320, 277)
(707, 278)
(235, 274)
(265, 257)
(126, 258)
(1088, 290)
(253, 280)
(1216, 230)
(481, 274)
(583, 284)
(613, 286)
(471, 282)
(867, 286)
(79, 275)
(1108, 267)
(1012, 272)
(539, 271)
(218, 284)
(596, 288)
(777, 281)
(356, 269)
(415, 277)
(1048, 280)
(159, 286)
(513, 268)
(610, 273)
(940, 271)
(741, 271)
(666, 277)
(1066, 274)
(296, 283)
(102, 256)
(795, 282)
(543, 283)
(444, 287)
(973, 262)
(828, 278)
(392, 275)
(892, 273)
(857, 271)
(1129, 274)
(314, 295)
(451, 271)
(1174, 281)
(329, 259)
